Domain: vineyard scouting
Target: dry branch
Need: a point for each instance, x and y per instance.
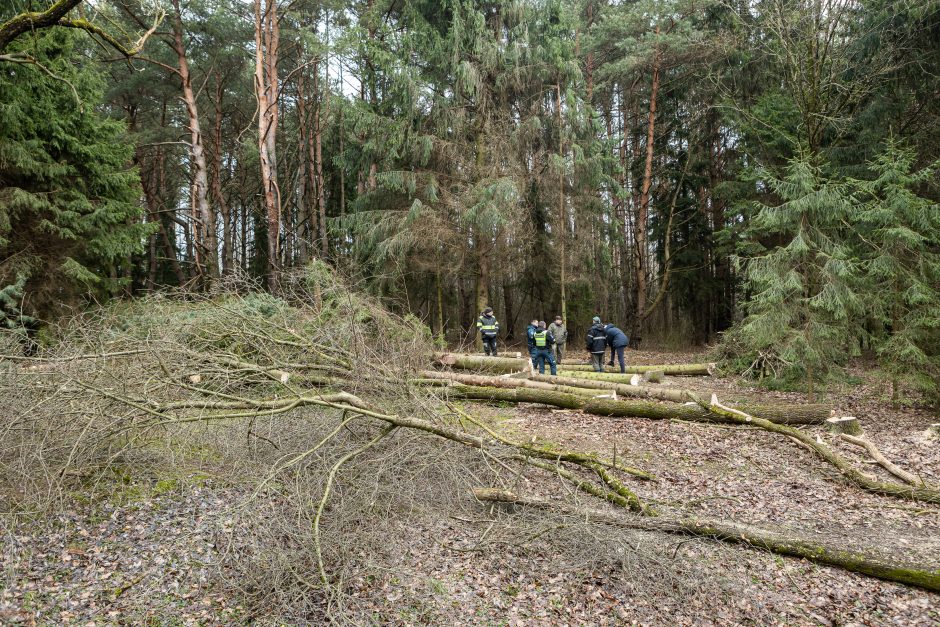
(777, 542)
(879, 457)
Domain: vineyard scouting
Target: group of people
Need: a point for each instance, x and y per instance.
(547, 344)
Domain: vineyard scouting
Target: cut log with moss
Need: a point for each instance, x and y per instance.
(624, 389)
(789, 544)
(508, 382)
(506, 365)
(676, 370)
(633, 408)
(846, 424)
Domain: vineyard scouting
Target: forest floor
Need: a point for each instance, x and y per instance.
(147, 551)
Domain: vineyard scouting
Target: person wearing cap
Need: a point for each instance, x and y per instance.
(597, 344)
(544, 341)
(617, 340)
(530, 339)
(560, 332)
(488, 327)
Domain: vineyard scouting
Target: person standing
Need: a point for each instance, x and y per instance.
(530, 339)
(488, 328)
(544, 341)
(597, 344)
(617, 340)
(560, 332)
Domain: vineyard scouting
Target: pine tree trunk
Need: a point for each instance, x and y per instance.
(642, 218)
(206, 246)
(267, 39)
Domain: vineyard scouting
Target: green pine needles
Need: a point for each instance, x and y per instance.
(838, 265)
(69, 200)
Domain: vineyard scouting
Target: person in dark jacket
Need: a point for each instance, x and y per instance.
(597, 344)
(488, 328)
(544, 340)
(617, 341)
(530, 339)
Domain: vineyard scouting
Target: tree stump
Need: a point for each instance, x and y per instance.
(845, 424)
(653, 376)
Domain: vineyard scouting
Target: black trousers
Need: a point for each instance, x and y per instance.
(619, 352)
(489, 345)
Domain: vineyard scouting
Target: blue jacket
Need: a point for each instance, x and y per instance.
(615, 337)
(530, 336)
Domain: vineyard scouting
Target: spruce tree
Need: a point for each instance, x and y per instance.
(800, 269)
(901, 234)
(68, 198)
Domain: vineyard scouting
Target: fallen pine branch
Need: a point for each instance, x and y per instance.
(927, 578)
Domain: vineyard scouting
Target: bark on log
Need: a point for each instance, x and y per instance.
(624, 389)
(847, 424)
(925, 577)
(507, 382)
(506, 364)
(484, 364)
(615, 377)
(692, 370)
(787, 414)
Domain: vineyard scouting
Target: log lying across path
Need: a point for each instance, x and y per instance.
(855, 561)
(522, 393)
(508, 364)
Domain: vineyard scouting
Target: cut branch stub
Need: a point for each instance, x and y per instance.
(846, 424)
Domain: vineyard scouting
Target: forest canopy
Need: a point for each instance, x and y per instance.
(761, 176)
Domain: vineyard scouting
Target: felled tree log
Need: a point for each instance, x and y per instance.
(615, 377)
(505, 364)
(507, 382)
(777, 542)
(623, 389)
(635, 408)
(483, 363)
(691, 370)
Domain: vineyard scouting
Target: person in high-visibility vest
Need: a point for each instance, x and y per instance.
(488, 327)
(544, 341)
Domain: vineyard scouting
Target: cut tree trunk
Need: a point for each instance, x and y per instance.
(925, 577)
(786, 414)
(508, 383)
(502, 364)
(691, 370)
(847, 424)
